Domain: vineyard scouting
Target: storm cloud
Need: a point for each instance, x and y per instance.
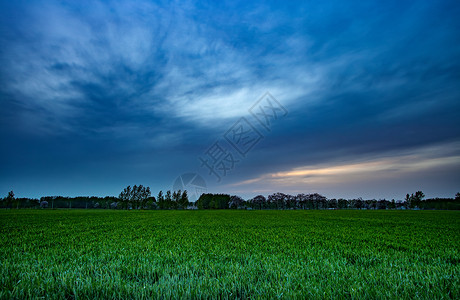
(101, 94)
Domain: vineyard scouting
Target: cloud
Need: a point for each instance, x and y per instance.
(332, 177)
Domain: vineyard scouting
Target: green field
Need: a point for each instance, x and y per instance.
(229, 254)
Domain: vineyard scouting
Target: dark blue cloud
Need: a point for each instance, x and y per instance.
(98, 95)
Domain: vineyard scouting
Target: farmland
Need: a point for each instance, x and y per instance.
(234, 254)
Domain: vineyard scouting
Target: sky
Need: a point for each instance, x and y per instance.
(344, 98)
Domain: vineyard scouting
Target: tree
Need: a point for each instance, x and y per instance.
(125, 197)
(221, 201)
(161, 200)
(108, 200)
(277, 200)
(10, 199)
(318, 201)
(176, 197)
(418, 197)
(183, 201)
(291, 202)
(358, 203)
(235, 202)
(392, 204)
(322, 201)
(151, 202)
(259, 201)
(333, 203)
(302, 200)
(213, 201)
(457, 197)
(410, 200)
(136, 196)
(342, 203)
(168, 199)
(204, 201)
(128, 195)
(383, 204)
(371, 203)
(145, 196)
(414, 200)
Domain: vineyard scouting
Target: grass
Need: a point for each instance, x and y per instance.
(229, 254)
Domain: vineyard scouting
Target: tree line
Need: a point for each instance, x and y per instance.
(317, 201)
(139, 197)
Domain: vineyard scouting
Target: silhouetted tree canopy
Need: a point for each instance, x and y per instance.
(139, 197)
